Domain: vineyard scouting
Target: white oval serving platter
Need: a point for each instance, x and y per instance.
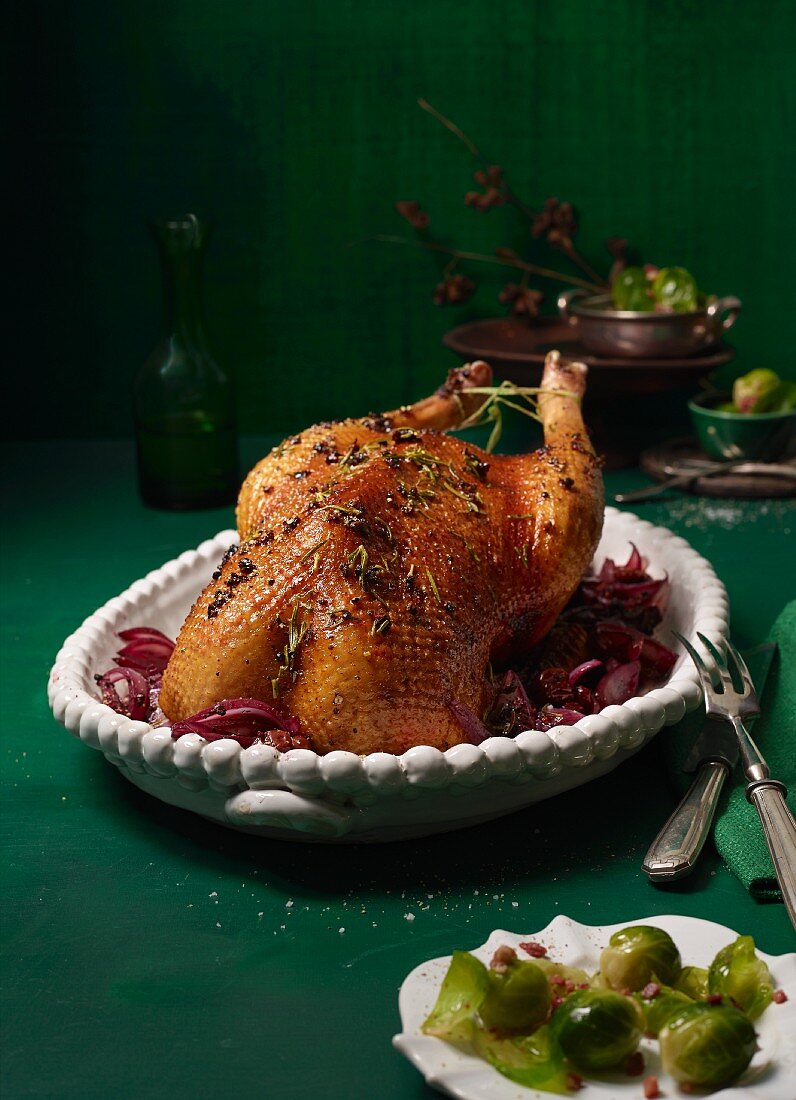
(300, 795)
(457, 1073)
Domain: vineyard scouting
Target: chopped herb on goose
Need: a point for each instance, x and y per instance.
(434, 588)
(382, 625)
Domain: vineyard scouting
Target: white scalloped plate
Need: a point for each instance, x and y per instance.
(454, 1072)
(302, 796)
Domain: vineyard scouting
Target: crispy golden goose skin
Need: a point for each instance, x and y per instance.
(385, 564)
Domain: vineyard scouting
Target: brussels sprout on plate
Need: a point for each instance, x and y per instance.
(597, 1029)
(693, 981)
(660, 1006)
(739, 975)
(518, 998)
(638, 955)
(707, 1045)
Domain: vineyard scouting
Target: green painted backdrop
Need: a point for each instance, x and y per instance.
(294, 127)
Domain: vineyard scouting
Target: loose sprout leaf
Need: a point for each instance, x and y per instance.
(534, 1060)
(738, 974)
(464, 987)
(693, 981)
(707, 1045)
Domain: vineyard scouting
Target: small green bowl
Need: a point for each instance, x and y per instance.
(764, 437)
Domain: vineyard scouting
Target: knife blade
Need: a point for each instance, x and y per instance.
(676, 848)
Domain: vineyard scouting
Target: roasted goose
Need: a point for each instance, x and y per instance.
(386, 568)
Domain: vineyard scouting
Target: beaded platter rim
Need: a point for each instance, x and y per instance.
(363, 780)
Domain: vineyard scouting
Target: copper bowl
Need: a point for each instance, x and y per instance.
(628, 334)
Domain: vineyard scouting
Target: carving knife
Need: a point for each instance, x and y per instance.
(676, 848)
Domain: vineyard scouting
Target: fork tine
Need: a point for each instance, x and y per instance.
(721, 664)
(696, 657)
(735, 658)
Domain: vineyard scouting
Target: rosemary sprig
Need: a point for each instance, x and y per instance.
(313, 550)
(296, 631)
(498, 397)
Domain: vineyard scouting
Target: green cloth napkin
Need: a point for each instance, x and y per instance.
(737, 832)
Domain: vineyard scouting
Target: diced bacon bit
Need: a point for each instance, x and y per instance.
(779, 996)
(502, 957)
(634, 1066)
(534, 949)
(555, 1002)
(651, 1088)
(575, 1081)
(650, 990)
(714, 998)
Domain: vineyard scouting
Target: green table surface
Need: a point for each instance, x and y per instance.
(148, 953)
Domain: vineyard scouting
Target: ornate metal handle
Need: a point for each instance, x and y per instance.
(779, 829)
(729, 305)
(285, 810)
(565, 300)
(675, 850)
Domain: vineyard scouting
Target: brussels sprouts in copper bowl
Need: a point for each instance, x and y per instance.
(649, 313)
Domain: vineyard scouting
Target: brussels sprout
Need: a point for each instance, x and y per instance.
(637, 955)
(463, 989)
(518, 999)
(707, 1045)
(661, 1008)
(674, 289)
(693, 981)
(630, 290)
(752, 392)
(737, 973)
(597, 1029)
(784, 400)
(535, 1061)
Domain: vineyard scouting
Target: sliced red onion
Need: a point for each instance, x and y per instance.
(578, 674)
(136, 633)
(635, 563)
(619, 685)
(548, 717)
(244, 715)
(473, 728)
(132, 702)
(511, 693)
(607, 573)
(656, 659)
(616, 639)
(145, 654)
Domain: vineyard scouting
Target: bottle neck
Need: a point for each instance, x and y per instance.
(182, 298)
(181, 245)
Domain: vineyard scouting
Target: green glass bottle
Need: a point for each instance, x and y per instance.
(183, 401)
